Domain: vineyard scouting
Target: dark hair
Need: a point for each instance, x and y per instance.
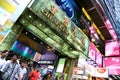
(15, 54)
(4, 51)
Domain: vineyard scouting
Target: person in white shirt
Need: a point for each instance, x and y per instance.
(23, 70)
(2, 58)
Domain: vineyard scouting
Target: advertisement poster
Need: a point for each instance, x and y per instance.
(10, 10)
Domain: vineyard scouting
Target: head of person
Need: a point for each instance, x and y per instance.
(61, 78)
(4, 54)
(14, 57)
(23, 64)
(38, 68)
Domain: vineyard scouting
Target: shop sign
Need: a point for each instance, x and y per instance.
(89, 69)
(101, 72)
(79, 77)
(78, 70)
(58, 21)
(43, 62)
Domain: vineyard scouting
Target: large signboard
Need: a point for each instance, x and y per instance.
(10, 10)
(112, 48)
(60, 23)
(113, 64)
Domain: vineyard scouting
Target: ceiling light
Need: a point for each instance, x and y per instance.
(26, 33)
(30, 16)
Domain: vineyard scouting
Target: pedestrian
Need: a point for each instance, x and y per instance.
(3, 55)
(35, 74)
(11, 69)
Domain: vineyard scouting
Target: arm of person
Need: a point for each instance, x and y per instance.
(19, 78)
(25, 71)
(31, 73)
(5, 67)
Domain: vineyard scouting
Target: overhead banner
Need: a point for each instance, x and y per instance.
(60, 23)
(10, 10)
(101, 72)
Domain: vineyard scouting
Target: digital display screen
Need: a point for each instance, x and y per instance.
(92, 51)
(113, 64)
(112, 48)
(23, 50)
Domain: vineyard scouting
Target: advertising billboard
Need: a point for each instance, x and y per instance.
(112, 48)
(113, 64)
(10, 10)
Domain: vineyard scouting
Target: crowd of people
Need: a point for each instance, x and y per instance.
(13, 68)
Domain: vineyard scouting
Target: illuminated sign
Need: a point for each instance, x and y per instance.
(43, 62)
(71, 9)
(59, 21)
(66, 6)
